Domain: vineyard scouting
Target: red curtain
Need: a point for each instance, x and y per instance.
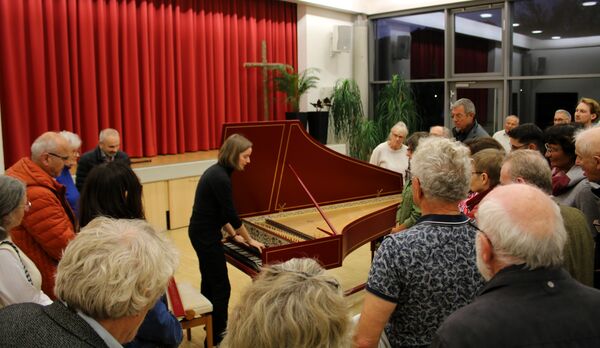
(166, 73)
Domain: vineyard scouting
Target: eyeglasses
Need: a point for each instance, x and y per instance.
(550, 149)
(64, 158)
(472, 224)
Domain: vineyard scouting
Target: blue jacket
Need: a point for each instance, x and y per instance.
(71, 193)
(160, 328)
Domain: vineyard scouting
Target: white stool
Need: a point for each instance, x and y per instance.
(191, 308)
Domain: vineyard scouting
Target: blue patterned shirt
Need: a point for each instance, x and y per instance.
(429, 271)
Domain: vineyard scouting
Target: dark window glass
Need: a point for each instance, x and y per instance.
(478, 42)
(537, 100)
(410, 46)
(555, 37)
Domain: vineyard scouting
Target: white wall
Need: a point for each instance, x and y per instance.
(315, 29)
(372, 7)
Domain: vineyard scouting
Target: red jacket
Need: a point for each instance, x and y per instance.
(48, 226)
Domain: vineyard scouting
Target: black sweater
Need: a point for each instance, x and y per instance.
(213, 205)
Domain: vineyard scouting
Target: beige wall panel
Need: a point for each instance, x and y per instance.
(156, 203)
(181, 200)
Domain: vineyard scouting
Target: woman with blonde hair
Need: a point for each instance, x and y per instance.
(20, 280)
(294, 304)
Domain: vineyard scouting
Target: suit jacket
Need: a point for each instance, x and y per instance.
(477, 131)
(33, 325)
(91, 159)
(526, 308)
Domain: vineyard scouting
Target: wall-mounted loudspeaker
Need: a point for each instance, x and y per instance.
(342, 38)
(401, 47)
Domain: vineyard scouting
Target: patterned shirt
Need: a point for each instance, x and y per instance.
(429, 271)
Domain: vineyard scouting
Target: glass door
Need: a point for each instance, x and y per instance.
(487, 97)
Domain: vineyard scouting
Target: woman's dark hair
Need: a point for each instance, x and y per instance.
(564, 136)
(111, 189)
(413, 140)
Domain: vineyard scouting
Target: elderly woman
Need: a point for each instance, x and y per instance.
(570, 187)
(294, 304)
(65, 177)
(392, 153)
(587, 112)
(20, 280)
(485, 175)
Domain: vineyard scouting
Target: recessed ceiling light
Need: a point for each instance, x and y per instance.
(516, 24)
(536, 31)
(555, 37)
(485, 15)
(589, 3)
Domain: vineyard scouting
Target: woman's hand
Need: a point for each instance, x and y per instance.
(258, 245)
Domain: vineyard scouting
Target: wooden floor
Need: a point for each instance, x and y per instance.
(353, 272)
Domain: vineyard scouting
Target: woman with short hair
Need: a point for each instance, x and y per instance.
(214, 210)
(20, 280)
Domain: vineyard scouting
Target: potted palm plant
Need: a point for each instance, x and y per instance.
(294, 85)
(396, 103)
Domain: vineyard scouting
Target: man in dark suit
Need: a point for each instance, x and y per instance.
(529, 300)
(107, 150)
(110, 275)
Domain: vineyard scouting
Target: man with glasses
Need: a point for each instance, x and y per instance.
(421, 275)
(50, 223)
(529, 300)
(527, 136)
(109, 143)
(465, 123)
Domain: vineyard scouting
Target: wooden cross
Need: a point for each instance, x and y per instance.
(265, 66)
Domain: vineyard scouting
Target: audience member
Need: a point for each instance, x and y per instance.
(528, 166)
(294, 304)
(420, 276)
(562, 117)
(113, 190)
(485, 175)
(529, 300)
(50, 224)
(587, 148)
(440, 131)
(465, 123)
(108, 278)
(527, 136)
(392, 153)
(65, 177)
(501, 136)
(408, 212)
(569, 185)
(20, 280)
(476, 145)
(107, 150)
(587, 111)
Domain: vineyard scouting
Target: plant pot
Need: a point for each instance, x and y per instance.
(297, 116)
(318, 124)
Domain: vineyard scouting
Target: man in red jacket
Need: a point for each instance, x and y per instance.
(50, 224)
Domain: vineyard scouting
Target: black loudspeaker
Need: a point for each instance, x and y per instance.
(541, 66)
(401, 47)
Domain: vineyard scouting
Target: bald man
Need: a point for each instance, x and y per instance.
(501, 136)
(50, 223)
(529, 299)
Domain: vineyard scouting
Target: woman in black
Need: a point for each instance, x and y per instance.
(214, 210)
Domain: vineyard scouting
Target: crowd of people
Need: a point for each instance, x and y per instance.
(494, 245)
